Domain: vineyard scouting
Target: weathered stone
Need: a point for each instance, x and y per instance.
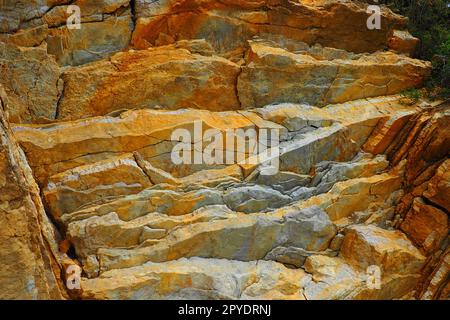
(425, 142)
(295, 117)
(329, 143)
(16, 12)
(362, 116)
(426, 225)
(437, 287)
(28, 249)
(26, 38)
(195, 81)
(403, 42)
(106, 27)
(359, 184)
(30, 78)
(274, 75)
(386, 131)
(328, 173)
(198, 278)
(281, 181)
(109, 231)
(92, 184)
(353, 195)
(93, 41)
(242, 237)
(214, 177)
(56, 148)
(294, 256)
(390, 250)
(155, 175)
(229, 24)
(254, 198)
(438, 188)
(168, 202)
(364, 247)
(90, 12)
(332, 279)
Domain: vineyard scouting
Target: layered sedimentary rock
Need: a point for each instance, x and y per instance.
(164, 213)
(31, 79)
(28, 246)
(270, 75)
(227, 24)
(94, 122)
(275, 75)
(200, 82)
(106, 27)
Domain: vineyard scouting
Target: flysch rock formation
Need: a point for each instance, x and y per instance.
(87, 179)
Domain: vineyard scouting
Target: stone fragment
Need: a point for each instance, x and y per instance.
(293, 256)
(31, 80)
(227, 25)
(332, 279)
(390, 250)
(155, 175)
(348, 197)
(93, 41)
(437, 287)
(17, 12)
(240, 237)
(282, 181)
(29, 254)
(55, 148)
(198, 278)
(274, 75)
(295, 117)
(32, 37)
(328, 173)
(194, 81)
(423, 143)
(402, 41)
(438, 188)
(386, 131)
(254, 198)
(92, 184)
(426, 225)
(168, 202)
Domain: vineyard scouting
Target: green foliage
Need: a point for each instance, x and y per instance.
(429, 20)
(411, 96)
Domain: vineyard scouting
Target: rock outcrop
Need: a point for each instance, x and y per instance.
(29, 256)
(96, 171)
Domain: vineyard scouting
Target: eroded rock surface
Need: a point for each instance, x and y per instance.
(227, 24)
(28, 242)
(90, 117)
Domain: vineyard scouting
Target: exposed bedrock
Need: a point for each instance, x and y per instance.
(94, 122)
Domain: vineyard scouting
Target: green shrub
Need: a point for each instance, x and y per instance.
(429, 20)
(410, 96)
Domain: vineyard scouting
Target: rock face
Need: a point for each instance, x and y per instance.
(274, 75)
(28, 250)
(94, 122)
(106, 27)
(200, 82)
(31, 80)
(227, 24)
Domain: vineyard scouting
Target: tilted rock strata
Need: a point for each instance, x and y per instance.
(274, 75)
(200, 82)
(106, 27)
(28, 249)
(227, 24)
(362, 181)
(30, 78)
(270, 75)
